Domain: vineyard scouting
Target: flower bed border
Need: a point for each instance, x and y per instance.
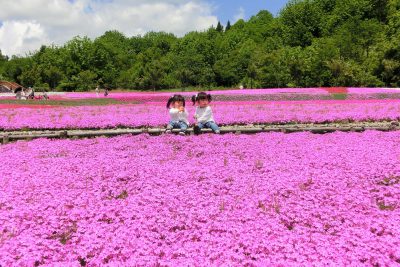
(318, 128)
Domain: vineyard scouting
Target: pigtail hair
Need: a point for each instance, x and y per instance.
(194, 99)
(209, 97)
(170, 100)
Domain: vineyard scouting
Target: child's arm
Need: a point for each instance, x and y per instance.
(173, 111)
(185, 113)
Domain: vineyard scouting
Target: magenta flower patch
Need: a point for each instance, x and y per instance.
(268, 199)
(234, 112)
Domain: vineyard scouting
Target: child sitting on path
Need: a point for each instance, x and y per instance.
(178, 113)
(203, 115)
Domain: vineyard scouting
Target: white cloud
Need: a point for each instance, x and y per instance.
(27, 24)
(239, 15)
(18, 36)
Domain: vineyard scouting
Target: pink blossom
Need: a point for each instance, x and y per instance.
(243, 112)
(265, 199)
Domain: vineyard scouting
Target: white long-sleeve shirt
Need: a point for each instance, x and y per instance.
(177, 115)
(204, 115)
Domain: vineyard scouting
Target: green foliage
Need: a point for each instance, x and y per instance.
(301, 22)
(310, 43)
(3, 61)
(219, 28)
(228, 26)
(393, 16)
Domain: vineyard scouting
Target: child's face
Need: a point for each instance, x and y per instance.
(203, 103)
(178, 104)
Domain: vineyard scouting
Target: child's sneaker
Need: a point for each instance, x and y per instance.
(168, 131)
(196, 129)
(181, 133)
(217, 132)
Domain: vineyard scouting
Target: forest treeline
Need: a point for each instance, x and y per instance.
(309, 43)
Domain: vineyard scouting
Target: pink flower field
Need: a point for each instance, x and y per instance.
(156, 114)
(268, 199)
(271, 94)
(274, 94)
(139, 109)
(143, 96)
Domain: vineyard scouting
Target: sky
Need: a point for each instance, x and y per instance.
(25, 25)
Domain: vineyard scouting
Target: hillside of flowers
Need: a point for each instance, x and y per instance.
(233, 112)
(147, 109)
(274, 94)
(271, 94)
(268, 199)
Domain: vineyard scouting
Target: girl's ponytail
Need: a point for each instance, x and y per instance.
(209, 97)
(194, 99)
(170, 100)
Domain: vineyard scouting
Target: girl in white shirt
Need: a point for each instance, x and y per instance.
(178, 113)
(203, 115)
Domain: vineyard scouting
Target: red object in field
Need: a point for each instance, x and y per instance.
(336, 90)
(4, 106)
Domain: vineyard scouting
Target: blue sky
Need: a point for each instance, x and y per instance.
(229, 9)
(25, 25)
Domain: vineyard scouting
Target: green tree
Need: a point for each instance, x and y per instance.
(219, 28)
(274, 72)
(194, 57)
(85, 80)
(310, 43)
(228, 26)
(154, 74)
(393, 24)
(3, 60)
(52, 76)
(32, 77)
(14, 68)
(301, 22)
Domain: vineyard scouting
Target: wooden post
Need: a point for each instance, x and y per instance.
(63, 134)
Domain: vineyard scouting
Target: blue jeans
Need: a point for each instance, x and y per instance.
(177, 125)
(209, 124)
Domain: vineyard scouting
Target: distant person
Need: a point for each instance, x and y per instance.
(106, 92)
(23, 95)
(203, 114)
(97, 90)
(241, 87)
(18, 95)
(179, 115)
(45, 96)
(31, 95)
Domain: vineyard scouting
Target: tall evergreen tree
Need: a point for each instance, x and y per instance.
(220, 28)
(228, 26)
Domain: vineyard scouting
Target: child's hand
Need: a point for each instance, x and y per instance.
(181, 109)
